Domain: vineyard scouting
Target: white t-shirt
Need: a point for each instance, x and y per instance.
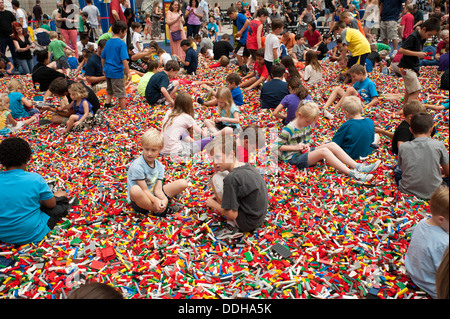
(165, 57)
(172, 133)
(272, 42)
(81, 47)
(134, 40)
(253, 6)
(311, 74)
(20, 14)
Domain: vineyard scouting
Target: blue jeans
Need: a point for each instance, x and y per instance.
(26, 65)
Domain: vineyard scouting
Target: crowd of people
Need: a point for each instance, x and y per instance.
(279, 49)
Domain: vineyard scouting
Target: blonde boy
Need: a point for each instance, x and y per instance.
(293, 146)
(429, 240)
(357, 135)
(145, 177)
(57, 48)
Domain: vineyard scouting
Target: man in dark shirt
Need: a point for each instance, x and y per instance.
(6, 67)
(6, 20)
(94, 69)
(37, 11)
(222, 47)
(190, 62)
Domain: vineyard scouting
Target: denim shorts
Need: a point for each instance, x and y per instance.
(301, 160)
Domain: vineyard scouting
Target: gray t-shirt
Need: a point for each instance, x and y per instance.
(245, 191)
(420, 162)
(93, 13)
(207, 43)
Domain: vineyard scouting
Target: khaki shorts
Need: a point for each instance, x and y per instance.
(411, 80)
(115, 87)
(389, 30)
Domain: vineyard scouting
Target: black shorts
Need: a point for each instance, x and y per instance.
(141, 210)
(239, 45)
(359, 59)
(56, 213)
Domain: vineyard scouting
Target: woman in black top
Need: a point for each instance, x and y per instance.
(23, 47)
(68, 16)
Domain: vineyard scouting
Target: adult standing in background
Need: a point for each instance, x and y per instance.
(93, 19)
(37, 11)
(68, 16)
(6, 20)
(156, 18)
(253, 6)
(21, 15)
(23, 45)
(193, 18)
(175, 19)
(56, 25)
(389, 14)
(116, 12)
(205, 7)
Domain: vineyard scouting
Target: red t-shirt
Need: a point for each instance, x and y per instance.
(252, 43)
(408, 22)
(441, 47)
(260, 70)
(115, 5)
(312, 39)
(242, 154)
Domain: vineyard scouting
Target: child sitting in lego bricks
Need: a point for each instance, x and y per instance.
(29, 208)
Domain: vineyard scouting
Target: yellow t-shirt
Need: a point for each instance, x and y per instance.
(356, 42)
(3, 116)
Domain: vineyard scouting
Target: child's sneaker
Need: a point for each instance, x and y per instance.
(18, 126)
(328, 115)
(229, 232)
(367, 168)
(360, 177)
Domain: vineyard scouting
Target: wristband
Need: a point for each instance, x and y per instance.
(276, 61)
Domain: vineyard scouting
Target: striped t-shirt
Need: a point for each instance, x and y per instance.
(291, 135)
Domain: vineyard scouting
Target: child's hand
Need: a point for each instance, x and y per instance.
(161, 207)
(76, 123)
(218, 119)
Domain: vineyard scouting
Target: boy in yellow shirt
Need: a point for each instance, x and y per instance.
(355, 42)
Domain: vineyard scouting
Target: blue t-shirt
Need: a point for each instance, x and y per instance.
(73, 62)
(272, 93)
(391, 9)
(21, 220)
(94, 66)
(114, 53)
(240, 21)
(366, 89)
(140, 170)
(192, 58)
(355, 137)
(237, 95)
(154, 85)
(233, 109)
(424, 255)
(15, 105)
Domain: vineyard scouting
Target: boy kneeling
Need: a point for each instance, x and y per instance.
(244, 202)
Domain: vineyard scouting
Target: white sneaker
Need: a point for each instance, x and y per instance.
(328, 115)
(359, 177)
(367, 168)
(18, 126)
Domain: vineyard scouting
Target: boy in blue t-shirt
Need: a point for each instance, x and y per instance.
(242, 24)
(357, 135)
(274, 91)
(145, 179)
(159, 89)
(115, 64)
(363, 87)
(29, 208)
(233, 80)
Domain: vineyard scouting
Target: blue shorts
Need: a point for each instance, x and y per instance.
(301, 160)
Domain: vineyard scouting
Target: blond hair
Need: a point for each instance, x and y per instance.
(224, 94)
(352, 105)
(309, 110)
(152, 137)
(4, 105)
(53, 35)
(78, 91)
(439, 202)
(14, 85)
(224, 61)
(413, 107)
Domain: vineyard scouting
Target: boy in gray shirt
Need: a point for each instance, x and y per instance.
(421, 159)
(245, 200)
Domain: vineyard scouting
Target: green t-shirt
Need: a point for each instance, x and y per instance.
(106, 36)
(382, 46)
(143, 83)
(56, 46)
(46, 27)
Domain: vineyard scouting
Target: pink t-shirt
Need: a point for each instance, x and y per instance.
(172, 133)
(408, 22)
